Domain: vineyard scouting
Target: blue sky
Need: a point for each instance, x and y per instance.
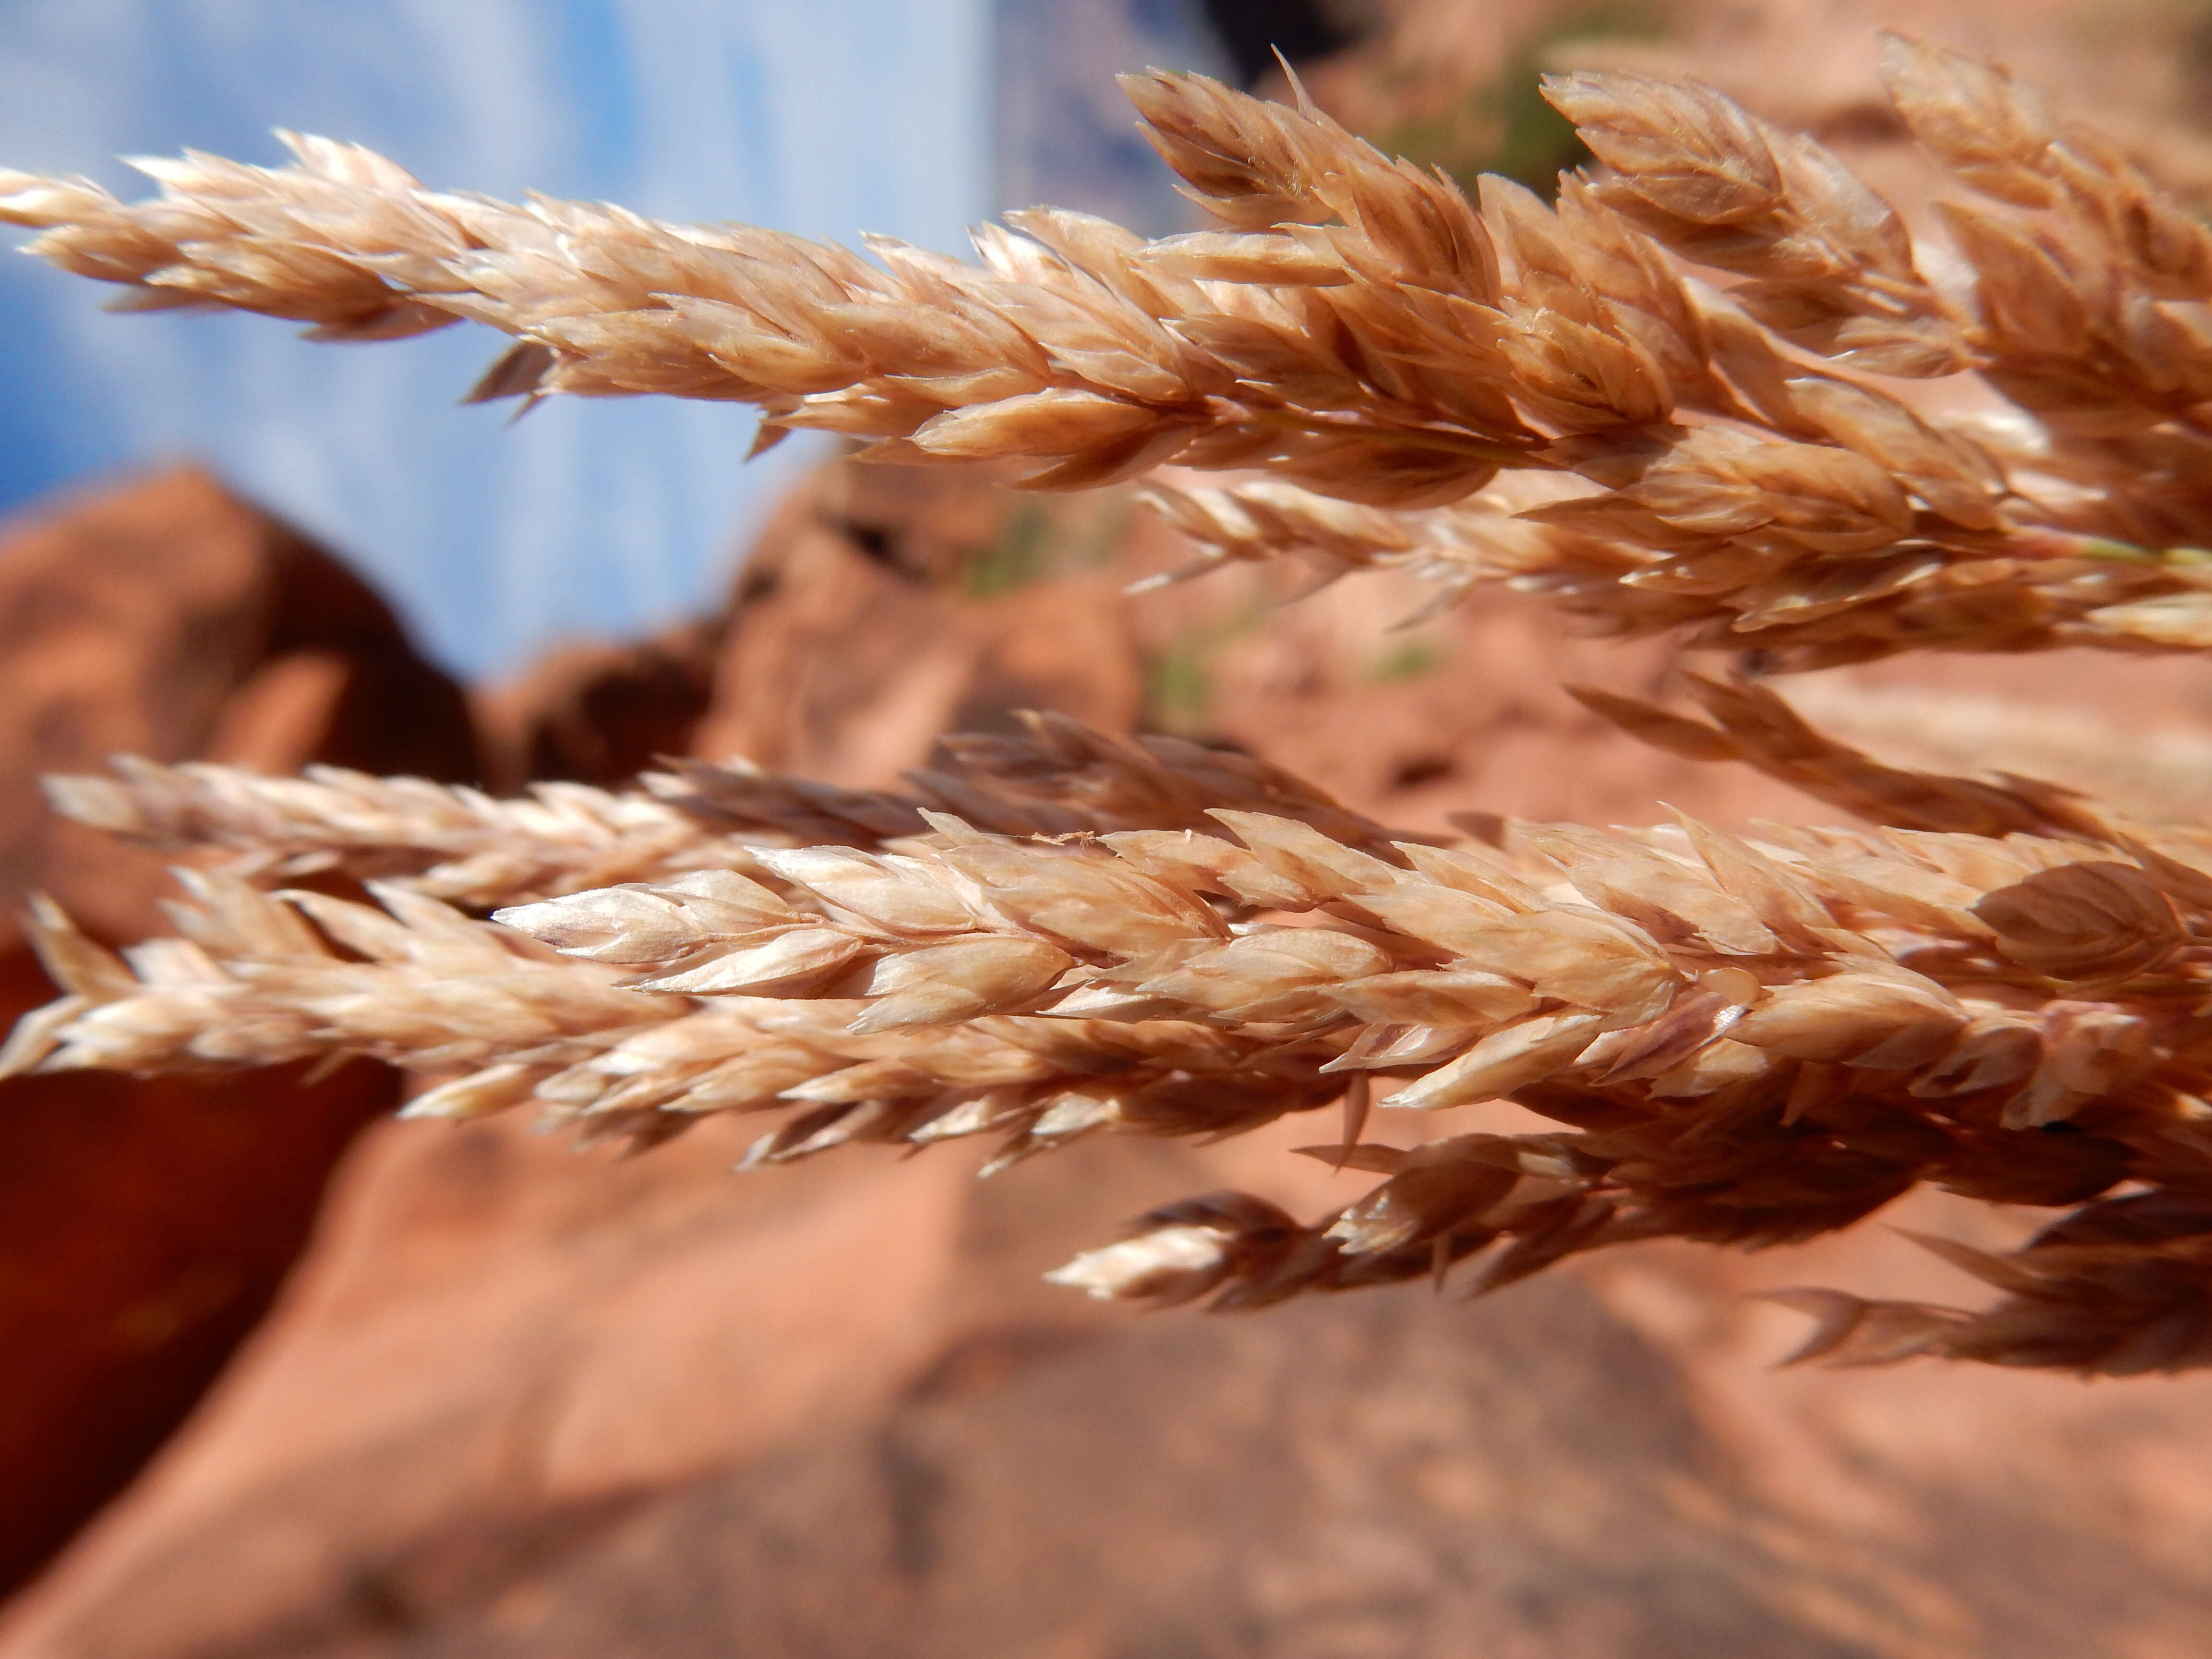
(596, 517)
(601, 517)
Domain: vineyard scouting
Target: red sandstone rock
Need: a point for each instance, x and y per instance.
(166, 617)
(600, 713)
(144, 1226)
(531, 1403)
(884, 605)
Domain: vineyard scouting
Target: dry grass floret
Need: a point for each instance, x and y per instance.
(1686, 458)
(1748, 1041)
(2001, 989)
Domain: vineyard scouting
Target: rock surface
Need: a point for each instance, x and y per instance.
(166, 617)
(525, 1402)
(144, 1227)
(600, 713)
(883, 605)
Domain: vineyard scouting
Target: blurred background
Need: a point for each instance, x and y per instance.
(278, 1377)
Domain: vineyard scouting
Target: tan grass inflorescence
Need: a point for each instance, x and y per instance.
(1677, 402)
(1680, 455)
